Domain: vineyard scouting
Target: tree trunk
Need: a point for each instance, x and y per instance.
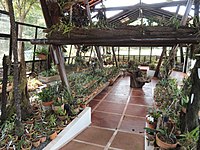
(4, 88)
(25, 103)
(193, 106)
(17, 96)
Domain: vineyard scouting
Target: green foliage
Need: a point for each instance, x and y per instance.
(47, 94)
(185, 91)
(60, 111)
(154, 113)
(60, 27)
(166, 91)
(51, 72)
(43, 50)
(152, 66)
(189, 139)
(52, 120)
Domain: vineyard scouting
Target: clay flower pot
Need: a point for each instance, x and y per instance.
(43, 139)
(42, 56)
(47, 103)
(53, 135)
(27, 145)
(163, 144)
(36, 142)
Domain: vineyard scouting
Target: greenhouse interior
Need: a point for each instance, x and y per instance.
(99, 75)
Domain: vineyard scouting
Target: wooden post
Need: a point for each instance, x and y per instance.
(196, 12)
(128, 53)
(181, 54)
(99, 56)
(69, 54)
(113, 50)
(118, 53)
(177, 10)
(159, 62)
(46, 14)
(91, 54)
(139, 53)
(187, 11)
(186, 60)
(35, 46)
(151, 54)
(61, 66)
(88, 11)
(51, 18)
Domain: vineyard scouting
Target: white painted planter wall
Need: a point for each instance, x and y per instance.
(81, 122)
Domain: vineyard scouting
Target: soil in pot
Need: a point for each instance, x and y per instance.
(164, 142)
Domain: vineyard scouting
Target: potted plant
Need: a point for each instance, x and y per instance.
(3, 144)
(165, 139)
(25, 144)
(49, 75)
(42, 53)
(152, 118)
(57, 103)
(62, 115)
(46, 96)
(189, 140)
(36, 139)
(53, 134)
(51, 126)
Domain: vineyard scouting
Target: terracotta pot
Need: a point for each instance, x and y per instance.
(42, 56)
(53, 135)
(151, 125)
(43, 139)
(47, 103)
(36, 142)
(183, 109)
(164, 145)
(83, 105)
(27, 147)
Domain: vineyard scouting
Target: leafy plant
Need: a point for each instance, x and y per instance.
(46, 95)
(52, 120)
(43, 51)
(48, 73)
(60, 111)
(189, 139)
(153, 115)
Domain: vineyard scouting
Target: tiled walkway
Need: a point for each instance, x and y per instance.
(118, 119)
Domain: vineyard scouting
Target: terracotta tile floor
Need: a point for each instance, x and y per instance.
(118, 118)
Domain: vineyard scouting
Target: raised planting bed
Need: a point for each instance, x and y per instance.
(48, 79)
(112, 81)
(96, 92)
(81, 122)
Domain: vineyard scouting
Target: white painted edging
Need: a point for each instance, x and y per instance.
(81, 122)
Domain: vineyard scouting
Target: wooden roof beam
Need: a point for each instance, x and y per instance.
(120, 42)
(155, 5)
